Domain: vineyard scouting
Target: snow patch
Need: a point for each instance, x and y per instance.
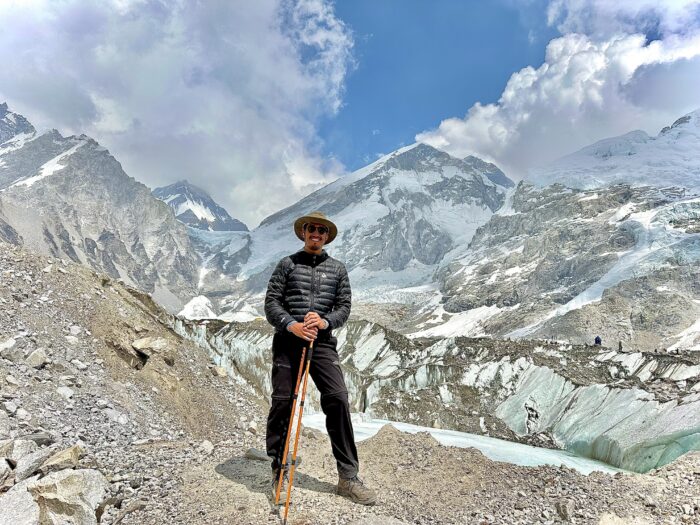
(198, 307)
(688, 339)
(50, 167)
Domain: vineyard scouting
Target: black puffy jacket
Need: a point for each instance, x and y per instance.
(302, 283)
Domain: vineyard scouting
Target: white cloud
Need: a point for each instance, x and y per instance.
(589, 86)
(604, 18)
(222, 93)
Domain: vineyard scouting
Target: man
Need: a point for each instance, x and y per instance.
(308, 296)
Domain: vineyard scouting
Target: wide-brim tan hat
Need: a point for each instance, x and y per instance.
(319, 217)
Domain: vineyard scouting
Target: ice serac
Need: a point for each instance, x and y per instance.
(399, 218)
(196, 208)
(636, 411)
(68, 197)
(668, 159)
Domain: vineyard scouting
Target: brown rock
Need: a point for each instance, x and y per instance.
(64, 459)
(73, 494)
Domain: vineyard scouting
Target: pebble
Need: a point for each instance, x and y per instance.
(65, 392)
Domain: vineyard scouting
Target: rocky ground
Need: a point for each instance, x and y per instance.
(106, 415)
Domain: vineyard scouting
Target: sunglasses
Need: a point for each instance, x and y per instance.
(311, 229)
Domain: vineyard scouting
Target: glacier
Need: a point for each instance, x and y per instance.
(635, 411)
(493, 448)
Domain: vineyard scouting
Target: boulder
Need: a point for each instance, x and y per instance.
(4, 425)
(66, 392)
(150, 345)
(37, 359)
(65, 459)
(6, 447)
(10, 407)
(23, 415)
(17, 507)
(18, 449)
(9, 350)
(218, 371)
(39, 437)
(5, 472)
(69, 496)
(30, 463)
(206, 447)
(64, 497)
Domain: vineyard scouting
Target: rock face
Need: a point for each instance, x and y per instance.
(618, 262)
(195, 207)
(637, 411)
(12, 126)
(91, 212)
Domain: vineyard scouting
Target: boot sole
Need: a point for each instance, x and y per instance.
(357, 500)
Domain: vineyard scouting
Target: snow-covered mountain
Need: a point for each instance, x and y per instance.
(620, 262)
(669, 159)
(68, 197)
(434, 252)
(399, 218)
(436, 246)
(195, 207)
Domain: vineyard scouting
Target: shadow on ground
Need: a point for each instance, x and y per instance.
(257, 475)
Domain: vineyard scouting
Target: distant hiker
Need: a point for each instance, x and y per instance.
(307, 297)
(619, 346)
(598, 341)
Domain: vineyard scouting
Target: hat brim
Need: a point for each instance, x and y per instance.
(299, 227)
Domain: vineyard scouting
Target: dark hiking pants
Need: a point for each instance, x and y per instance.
(328, 377)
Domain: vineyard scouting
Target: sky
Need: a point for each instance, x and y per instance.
(261, 103)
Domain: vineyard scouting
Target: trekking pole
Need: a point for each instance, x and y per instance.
(289, 429)
(296, 438)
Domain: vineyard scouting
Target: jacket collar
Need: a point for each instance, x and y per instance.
(305, 257)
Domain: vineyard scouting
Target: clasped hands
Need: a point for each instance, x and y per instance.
(308, 330)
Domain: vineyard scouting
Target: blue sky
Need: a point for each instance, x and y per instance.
(419, 62)
(289, 95)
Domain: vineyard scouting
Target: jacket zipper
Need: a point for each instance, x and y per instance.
(313, 283)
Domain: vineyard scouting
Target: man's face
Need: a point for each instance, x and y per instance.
(315, 235)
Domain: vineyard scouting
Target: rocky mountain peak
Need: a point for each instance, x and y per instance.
(417, 155)
(195, 207)
(489, 170)
(13, 124)
(689, 120)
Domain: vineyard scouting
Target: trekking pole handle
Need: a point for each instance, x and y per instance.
(310, 352)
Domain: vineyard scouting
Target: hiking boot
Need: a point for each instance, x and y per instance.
(273, 484)
(355, 490)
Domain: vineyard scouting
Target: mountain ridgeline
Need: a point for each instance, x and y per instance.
(436, 246)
